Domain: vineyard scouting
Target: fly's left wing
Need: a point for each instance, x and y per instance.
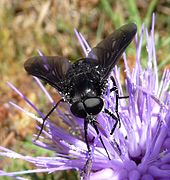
(108, 51)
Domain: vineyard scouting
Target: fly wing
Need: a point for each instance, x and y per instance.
(51, 69)
(108, 51)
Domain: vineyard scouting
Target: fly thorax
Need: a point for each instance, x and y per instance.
(103, 85)
(83, 88)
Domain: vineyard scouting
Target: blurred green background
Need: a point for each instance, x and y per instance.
(28, 25)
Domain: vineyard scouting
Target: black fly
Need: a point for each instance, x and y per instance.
(83, 83)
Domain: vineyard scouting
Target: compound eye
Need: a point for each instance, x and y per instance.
(78, 110)
(93, 106)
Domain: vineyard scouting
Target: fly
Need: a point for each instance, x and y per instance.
(83, 84)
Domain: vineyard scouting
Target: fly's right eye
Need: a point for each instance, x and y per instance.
(78, 110)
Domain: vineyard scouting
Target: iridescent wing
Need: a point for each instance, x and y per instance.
(51, 69)
(108, 51)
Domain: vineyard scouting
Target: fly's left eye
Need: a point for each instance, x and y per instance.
(93, 106)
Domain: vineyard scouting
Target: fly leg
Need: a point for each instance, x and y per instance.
(113, 117)
(86, 134)
(115, 89)
(115, 145)
(54, 107)
(97, 131)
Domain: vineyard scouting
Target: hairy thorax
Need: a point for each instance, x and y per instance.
(82, 81)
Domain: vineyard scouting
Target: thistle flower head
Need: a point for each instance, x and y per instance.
(139, 149)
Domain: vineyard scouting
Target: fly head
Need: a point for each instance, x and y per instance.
(89, 106)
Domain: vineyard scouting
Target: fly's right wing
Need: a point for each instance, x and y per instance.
(51, 69)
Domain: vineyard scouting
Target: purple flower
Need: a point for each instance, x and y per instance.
(139, 149)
